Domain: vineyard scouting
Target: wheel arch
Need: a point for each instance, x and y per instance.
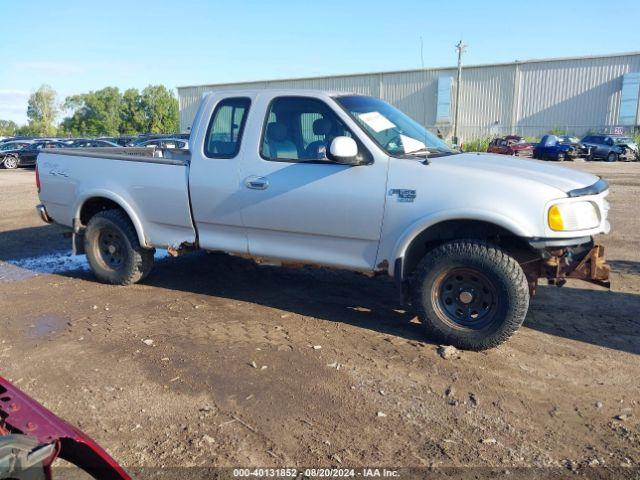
(91, 203)
(428, 233)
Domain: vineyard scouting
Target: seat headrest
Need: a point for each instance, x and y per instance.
(322, 126)
(276, 132)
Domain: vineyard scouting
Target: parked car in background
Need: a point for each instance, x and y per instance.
(123, 141)
(611, 147)
(581, 149)
(551, 148)
(26, 157)
(510, 145)
(568, 139)
(17, 137)
(92, 143)
(631, 145)
(14, 145)
(165, 143)
(9, 157)
(145, 137)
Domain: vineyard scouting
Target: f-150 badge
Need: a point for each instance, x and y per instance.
(403, 194)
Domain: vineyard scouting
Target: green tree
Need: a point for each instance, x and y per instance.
(94, 113)
(132, 114)
(160, 108)
(8, 128)
(107, 112)
(42, 111)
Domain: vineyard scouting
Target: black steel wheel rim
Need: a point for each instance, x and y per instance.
(112, 248)
(465, 297)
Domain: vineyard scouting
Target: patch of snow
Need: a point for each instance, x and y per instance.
(53, 263)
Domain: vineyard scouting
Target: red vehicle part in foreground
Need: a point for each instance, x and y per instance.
(36, 437)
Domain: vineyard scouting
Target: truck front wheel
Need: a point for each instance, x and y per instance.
(470, 294)
(113, 250)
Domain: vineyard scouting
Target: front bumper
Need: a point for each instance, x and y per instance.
(589, 265)
(558, 263)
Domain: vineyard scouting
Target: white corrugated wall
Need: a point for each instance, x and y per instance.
(574, 95)
(528, 98)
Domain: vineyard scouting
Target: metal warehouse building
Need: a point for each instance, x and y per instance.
(576, 95)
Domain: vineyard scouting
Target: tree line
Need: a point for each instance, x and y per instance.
(108, 111)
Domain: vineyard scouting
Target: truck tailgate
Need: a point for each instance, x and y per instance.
(153, 191)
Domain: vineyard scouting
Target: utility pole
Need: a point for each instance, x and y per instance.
(460, 47)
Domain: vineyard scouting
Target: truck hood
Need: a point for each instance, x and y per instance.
(563, 179)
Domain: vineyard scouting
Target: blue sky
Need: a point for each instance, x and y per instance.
(81, 45)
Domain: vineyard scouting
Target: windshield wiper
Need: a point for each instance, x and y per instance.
(418, 152)
(432, 152)
(445, 153)
(425, 152)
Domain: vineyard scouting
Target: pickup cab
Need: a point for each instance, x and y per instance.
(344, 181)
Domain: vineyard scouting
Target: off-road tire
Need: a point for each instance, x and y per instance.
(135, 262)
(510, 285)
(10, 162)
(612, 157)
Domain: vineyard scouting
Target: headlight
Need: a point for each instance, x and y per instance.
(569, 216)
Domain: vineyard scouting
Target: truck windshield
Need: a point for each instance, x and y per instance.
(395, 132)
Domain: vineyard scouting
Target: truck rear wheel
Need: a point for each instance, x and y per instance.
(112, 248)
(470, 294)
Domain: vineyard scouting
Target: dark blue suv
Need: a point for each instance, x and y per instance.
(552, 147)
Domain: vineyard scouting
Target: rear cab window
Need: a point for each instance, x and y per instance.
(226, 126)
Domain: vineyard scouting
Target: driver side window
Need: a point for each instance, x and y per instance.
(300, 129)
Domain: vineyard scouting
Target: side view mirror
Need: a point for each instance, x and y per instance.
(344, 150)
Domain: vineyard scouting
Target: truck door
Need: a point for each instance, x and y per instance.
(296, 204)
(213, 177)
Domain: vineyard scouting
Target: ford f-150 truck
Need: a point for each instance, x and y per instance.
(338, 180)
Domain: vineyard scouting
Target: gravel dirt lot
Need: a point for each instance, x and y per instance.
(216, 361)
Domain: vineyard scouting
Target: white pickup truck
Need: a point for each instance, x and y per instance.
(345, 181)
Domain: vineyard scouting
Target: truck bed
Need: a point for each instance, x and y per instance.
(150, 184)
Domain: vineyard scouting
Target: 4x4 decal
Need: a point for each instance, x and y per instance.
(404, 195)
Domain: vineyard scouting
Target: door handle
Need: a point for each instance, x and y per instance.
(256, 183)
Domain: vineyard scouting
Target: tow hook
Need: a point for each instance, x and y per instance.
(590, 267)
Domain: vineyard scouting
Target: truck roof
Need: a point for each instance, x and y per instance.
(278, 91)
